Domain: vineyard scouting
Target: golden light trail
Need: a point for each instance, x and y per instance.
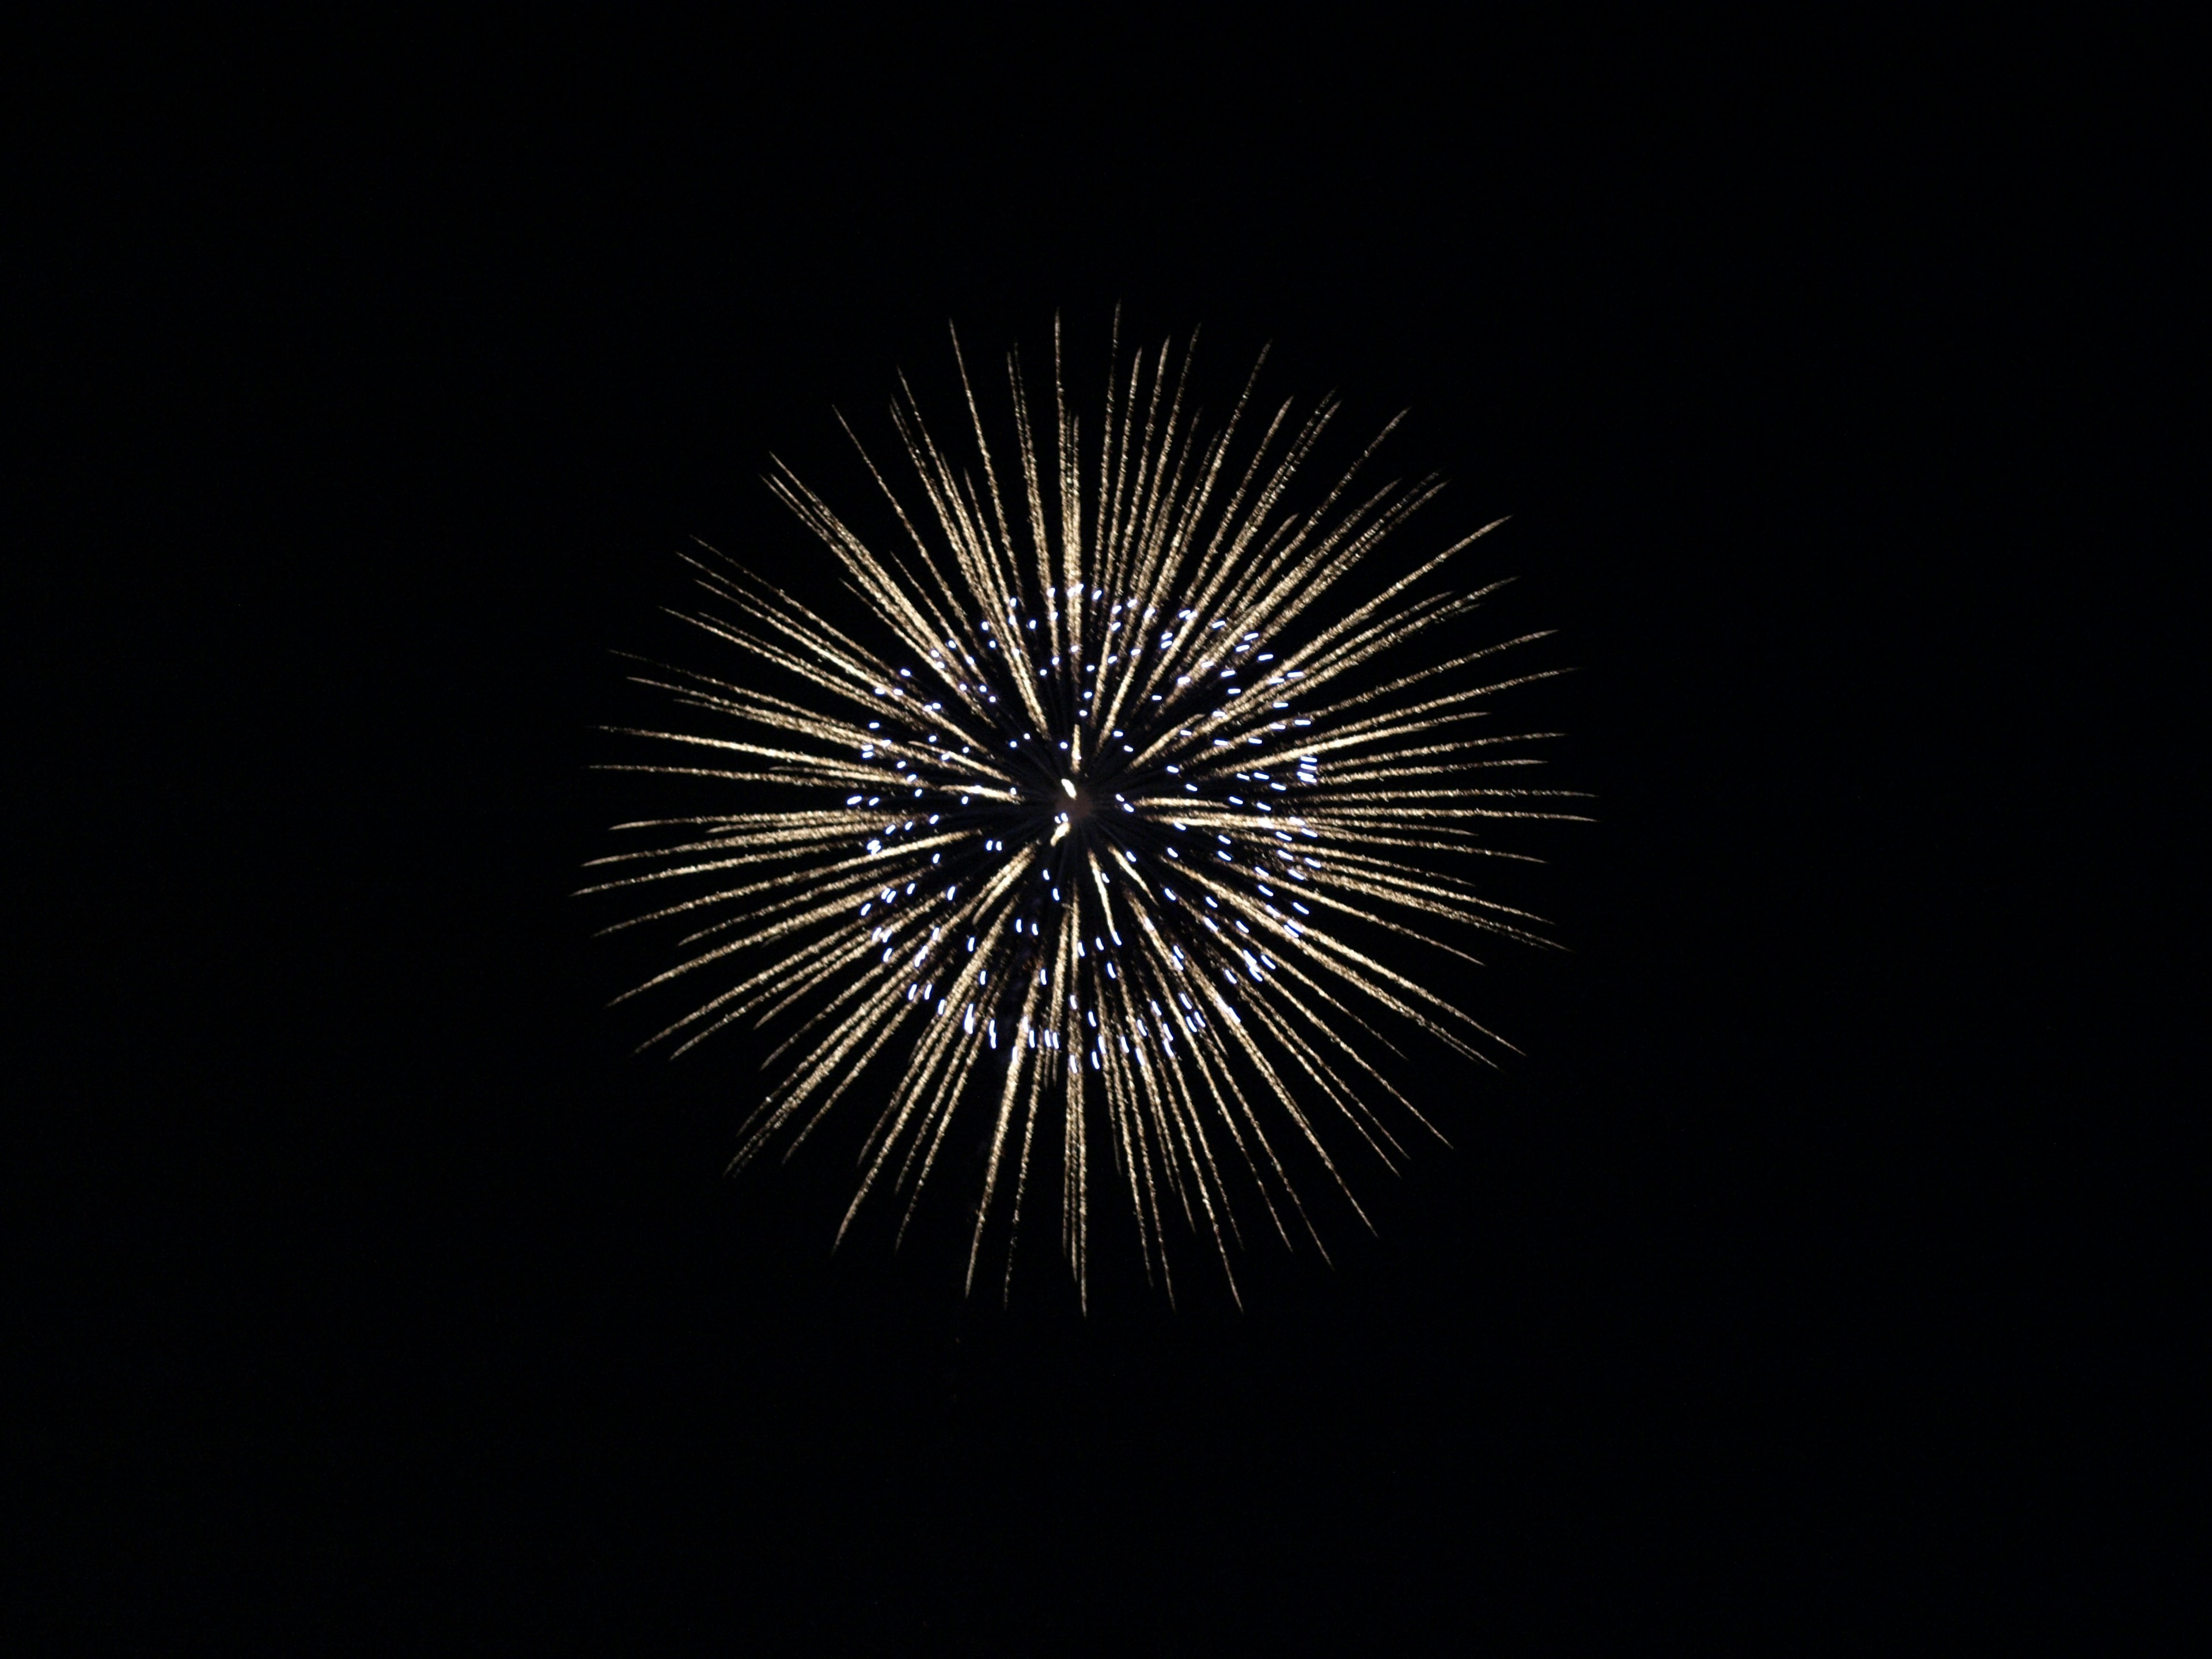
(1072, 828)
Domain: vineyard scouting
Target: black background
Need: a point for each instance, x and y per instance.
(379, 1293)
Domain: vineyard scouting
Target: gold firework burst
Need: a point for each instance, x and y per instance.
(1078, 827)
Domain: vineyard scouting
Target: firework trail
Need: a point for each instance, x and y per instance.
(1077, 830)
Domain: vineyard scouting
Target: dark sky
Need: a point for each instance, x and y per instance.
(386, 1293)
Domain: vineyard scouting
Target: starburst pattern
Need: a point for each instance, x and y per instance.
(1089, 825)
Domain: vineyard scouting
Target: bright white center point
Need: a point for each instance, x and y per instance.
(1068, 784)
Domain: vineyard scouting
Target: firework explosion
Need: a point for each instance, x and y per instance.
(1077, 831)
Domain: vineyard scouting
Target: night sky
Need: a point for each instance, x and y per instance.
(380, 1295)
